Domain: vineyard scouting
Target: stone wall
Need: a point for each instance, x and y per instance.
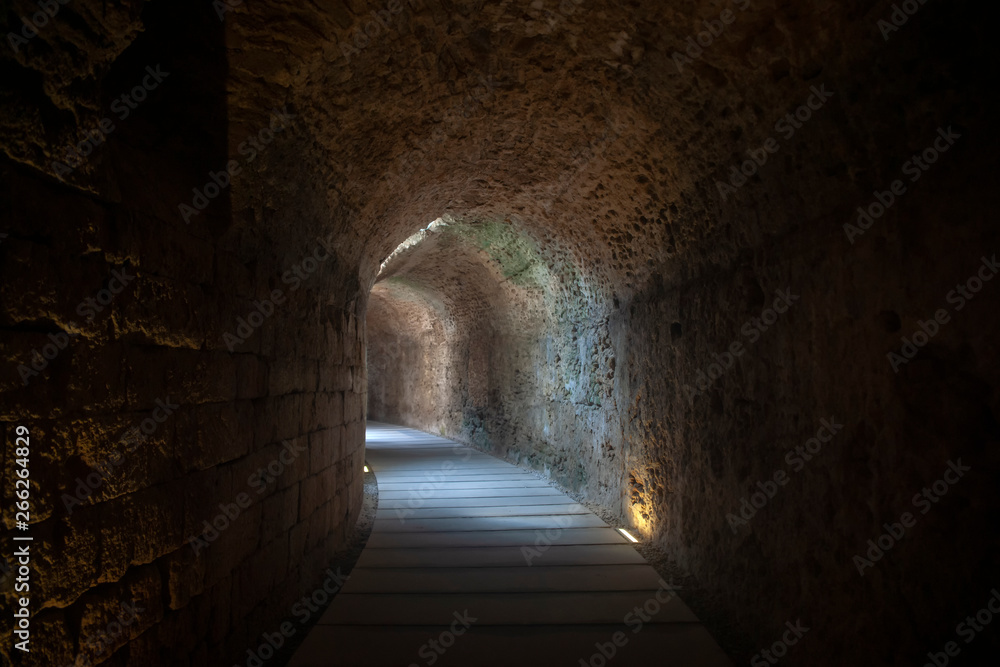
(593, 270)
(617, 394)
(171, 372)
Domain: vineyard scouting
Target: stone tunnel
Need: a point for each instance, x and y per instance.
(718, 270)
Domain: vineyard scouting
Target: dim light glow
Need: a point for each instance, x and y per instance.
(414, 239)
(628, 535)
(366, 468)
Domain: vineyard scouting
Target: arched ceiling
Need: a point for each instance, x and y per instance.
(567, 115)
(578, 120)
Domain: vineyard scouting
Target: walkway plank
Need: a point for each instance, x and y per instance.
(518, 578)
(669, 644)
(479, 538)
(502, 501)
(542, 523)
(454, 484)
(409, 513)
(499, 608)
(499, 556)
(469, 493)
(478, 475)
(475, 562)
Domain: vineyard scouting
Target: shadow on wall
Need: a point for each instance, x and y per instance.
(94, 180)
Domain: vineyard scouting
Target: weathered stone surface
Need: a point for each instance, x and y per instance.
(590, 272)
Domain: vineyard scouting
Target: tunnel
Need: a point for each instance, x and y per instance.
(715, 274)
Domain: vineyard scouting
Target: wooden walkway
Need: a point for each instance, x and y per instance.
(473, 562)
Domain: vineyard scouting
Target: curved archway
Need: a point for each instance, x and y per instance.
(665, 235)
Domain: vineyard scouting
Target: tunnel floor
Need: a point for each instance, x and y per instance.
(475, 562)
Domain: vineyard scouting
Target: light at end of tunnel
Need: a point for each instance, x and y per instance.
(366, 468)
(628, 536)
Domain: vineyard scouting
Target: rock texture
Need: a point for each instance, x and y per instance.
(589, 272)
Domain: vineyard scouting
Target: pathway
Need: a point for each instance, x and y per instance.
(473, 562)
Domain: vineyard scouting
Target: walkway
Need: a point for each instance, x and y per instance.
(473, 562)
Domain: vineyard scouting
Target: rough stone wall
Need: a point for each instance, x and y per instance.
(695, 458)
(408, 370)
(160, 342)
(178, 393)
(624, 402)
(574, 123)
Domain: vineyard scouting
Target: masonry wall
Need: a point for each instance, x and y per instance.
(630, 409)
(705, 462)
(410, 378)
(599, 271)
(164, 405)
